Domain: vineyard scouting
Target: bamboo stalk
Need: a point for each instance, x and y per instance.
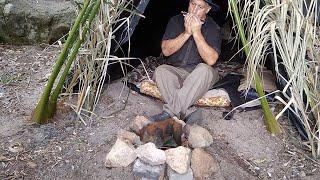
(272, 124)
(40, 114)
(80, 40)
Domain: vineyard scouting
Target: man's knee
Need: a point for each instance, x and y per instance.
(207, 72)
(160, 70)
(204, 67)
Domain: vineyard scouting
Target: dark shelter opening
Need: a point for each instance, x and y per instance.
(147, 33)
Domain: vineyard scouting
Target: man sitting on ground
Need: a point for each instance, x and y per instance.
(192, 44)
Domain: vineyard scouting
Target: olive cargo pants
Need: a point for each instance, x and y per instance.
(181, 89)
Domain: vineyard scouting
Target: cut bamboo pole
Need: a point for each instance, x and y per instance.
(272, 124)
(80, 40)
(40, 114)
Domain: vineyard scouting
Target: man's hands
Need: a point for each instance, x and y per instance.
(192, 24)
(187, 24)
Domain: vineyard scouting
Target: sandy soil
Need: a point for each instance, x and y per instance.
(67, 149)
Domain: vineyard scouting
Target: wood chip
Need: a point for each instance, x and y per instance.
(3, 158)
(32, 164)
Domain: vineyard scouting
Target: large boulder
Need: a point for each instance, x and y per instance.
(35, 21)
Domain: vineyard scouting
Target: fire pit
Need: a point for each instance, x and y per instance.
(165, 134)
(167, 148)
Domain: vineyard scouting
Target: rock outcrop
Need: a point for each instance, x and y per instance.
(35, 21)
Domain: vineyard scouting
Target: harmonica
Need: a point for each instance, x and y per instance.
(185, 13)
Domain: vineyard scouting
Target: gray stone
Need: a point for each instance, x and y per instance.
(7, 9)
(2, 92)
(150, 154)
(198, 137)
(179, 159)
(129, 137)
(120, 155)
(179, 121)
(139, 122)
(30, 22)
(203, 164)
(173, 175)
(147, 171)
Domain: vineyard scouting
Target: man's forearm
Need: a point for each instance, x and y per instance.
(207, 53)
(171, 46)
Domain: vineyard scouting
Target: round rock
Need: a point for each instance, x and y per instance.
(179, 159)
(203, 164)
(198, 137)
(150, 154)
(120, 155)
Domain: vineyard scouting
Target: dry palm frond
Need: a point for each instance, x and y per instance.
(287, 30)
(95, 54)
(271, 123)
(90, 40)
(47, 103)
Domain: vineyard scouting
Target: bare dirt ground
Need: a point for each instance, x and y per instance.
(67, 149)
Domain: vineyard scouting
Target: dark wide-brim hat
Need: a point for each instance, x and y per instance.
(214, 6)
